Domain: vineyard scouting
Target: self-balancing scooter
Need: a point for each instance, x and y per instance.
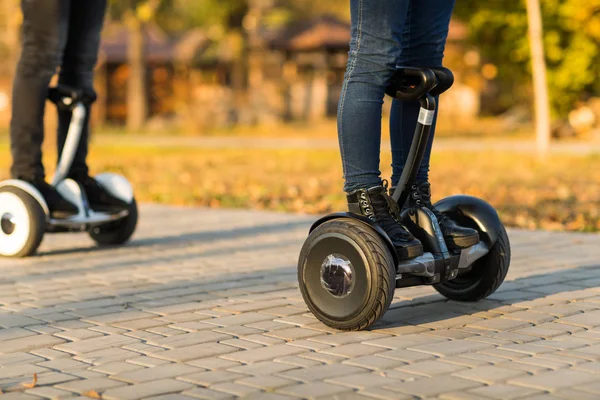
(24, 214)
(348, 268)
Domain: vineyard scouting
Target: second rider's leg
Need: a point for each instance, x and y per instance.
(77, 70)
(45, 25)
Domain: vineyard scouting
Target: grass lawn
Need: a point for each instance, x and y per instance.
(562, 193)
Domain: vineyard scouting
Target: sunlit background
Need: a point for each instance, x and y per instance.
(232, 104)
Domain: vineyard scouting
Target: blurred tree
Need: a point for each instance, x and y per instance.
(10, 22)
(540, 86)
(135, 14)
(571, 41)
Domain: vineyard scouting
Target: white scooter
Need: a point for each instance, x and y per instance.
(24, 214)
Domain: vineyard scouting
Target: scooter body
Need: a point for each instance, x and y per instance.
(348, 267)
(24, 213)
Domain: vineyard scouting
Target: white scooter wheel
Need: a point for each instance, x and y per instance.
(22, 223)
(117, 232)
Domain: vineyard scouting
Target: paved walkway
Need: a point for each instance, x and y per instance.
(204, 304)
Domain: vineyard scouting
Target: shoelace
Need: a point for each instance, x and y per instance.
(423, 196)
(387, 221)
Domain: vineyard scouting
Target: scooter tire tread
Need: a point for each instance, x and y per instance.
(379, 255)
(37, 222)
(497, 262)
(123, 231)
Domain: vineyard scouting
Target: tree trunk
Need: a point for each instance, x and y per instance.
(137, 94)
(11, 27)
(540, 86)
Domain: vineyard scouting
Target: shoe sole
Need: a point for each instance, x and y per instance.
(62, 214)
(462, 242)
(407, 253)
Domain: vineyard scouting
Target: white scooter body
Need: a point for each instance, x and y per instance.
(86, 219)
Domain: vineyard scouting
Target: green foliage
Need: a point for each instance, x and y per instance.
(571, 39)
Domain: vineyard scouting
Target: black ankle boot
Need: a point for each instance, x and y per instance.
(456, 236)
(98, 197)
(375, 204)
(59, 207)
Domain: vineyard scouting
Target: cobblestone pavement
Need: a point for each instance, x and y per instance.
(204, 304)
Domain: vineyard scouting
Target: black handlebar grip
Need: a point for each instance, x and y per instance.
(411, 83)
(445, 80)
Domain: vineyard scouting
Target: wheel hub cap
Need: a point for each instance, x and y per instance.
(337, 275)
(7, 224)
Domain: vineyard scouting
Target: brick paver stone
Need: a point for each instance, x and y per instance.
(211, 377)
(193, 352)
(99, 343)
(504, 392)
(49, 392)
(98, 384)
(592, 388)
(321, 372)
(500, 324)
(28, 343)
(156, 373)
(361, 381)
(433, 386)
(352, 350)
(147, 389)
(489, 374)
(374, 362)
(262, 368)
(452, 347)
(313, 390)
(264, 354)
(266, 382)
(587, 320)
(430, 368)
(554, 380)
(204, 393)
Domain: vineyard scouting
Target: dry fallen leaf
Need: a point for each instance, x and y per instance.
(92, 394)
(32, 384)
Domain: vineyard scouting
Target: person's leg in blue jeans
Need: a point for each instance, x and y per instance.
(422, 45)
(377, 28)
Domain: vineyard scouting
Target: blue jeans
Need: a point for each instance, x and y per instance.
(386, 34)
(56, 33)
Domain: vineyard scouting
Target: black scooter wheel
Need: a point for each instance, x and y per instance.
(347, 274)
(486, 274)
(22, 223)
(117, 232)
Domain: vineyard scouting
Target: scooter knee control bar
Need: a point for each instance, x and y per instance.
(410, 83)
(445, 80)
(66, 97)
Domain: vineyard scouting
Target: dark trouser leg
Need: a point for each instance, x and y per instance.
(44, 30)
(77, 68)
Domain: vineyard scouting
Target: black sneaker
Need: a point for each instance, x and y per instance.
(456, 236)
(375, 204)
(99, 199)
(59, 207)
